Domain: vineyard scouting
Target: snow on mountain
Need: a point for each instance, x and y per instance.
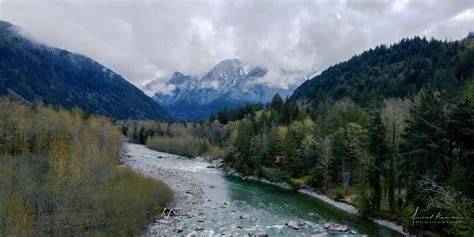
(229, 83)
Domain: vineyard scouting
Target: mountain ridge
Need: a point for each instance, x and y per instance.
(227, 84)
(35, 72)
(398, 70)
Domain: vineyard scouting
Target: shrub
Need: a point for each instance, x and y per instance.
(339, 193)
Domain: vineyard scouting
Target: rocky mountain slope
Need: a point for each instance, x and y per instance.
(229, 84)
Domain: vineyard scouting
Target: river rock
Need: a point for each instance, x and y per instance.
(338, 227)
(353, 232)
(319, 235)
(261, 234)
(245, 216)
(293, 224)
(234, 226)
(199, 228)
(326, 226)
(179, 229)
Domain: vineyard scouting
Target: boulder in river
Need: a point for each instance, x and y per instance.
(293, 225)
(245, 216)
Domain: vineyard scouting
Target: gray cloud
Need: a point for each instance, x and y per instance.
(148, 39)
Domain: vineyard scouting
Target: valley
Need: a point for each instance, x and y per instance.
(237, 118)
(209, 203)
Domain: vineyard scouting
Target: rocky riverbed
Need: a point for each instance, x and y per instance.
(187, 189)
(208, 203)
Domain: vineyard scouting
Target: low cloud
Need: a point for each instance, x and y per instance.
(158, 85)
(149, 39)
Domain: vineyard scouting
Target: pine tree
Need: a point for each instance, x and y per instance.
(378, 150)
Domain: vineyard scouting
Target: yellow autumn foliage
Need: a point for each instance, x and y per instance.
(60, 176)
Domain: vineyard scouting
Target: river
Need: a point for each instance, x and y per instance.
(209, 203)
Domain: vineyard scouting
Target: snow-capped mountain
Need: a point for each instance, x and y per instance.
(230, 83)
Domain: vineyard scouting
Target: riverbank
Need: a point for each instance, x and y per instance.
(209, 203)
(346, 207)
(188, 191)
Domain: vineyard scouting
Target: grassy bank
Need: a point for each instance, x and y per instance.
(59, 175)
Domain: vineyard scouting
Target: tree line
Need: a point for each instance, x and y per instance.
(188, 139)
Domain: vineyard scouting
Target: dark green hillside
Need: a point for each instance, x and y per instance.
(34, 72)
(397, 71)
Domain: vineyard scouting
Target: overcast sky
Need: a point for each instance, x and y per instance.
(146, 39)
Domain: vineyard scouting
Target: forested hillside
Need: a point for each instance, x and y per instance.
(400, 70)
(36, 73)
(60, 176)
(389, 131)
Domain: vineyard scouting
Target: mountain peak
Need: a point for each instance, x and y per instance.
(178, 78)
(233, 62)
(227, 66)
(226, 84)
(225, 74)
